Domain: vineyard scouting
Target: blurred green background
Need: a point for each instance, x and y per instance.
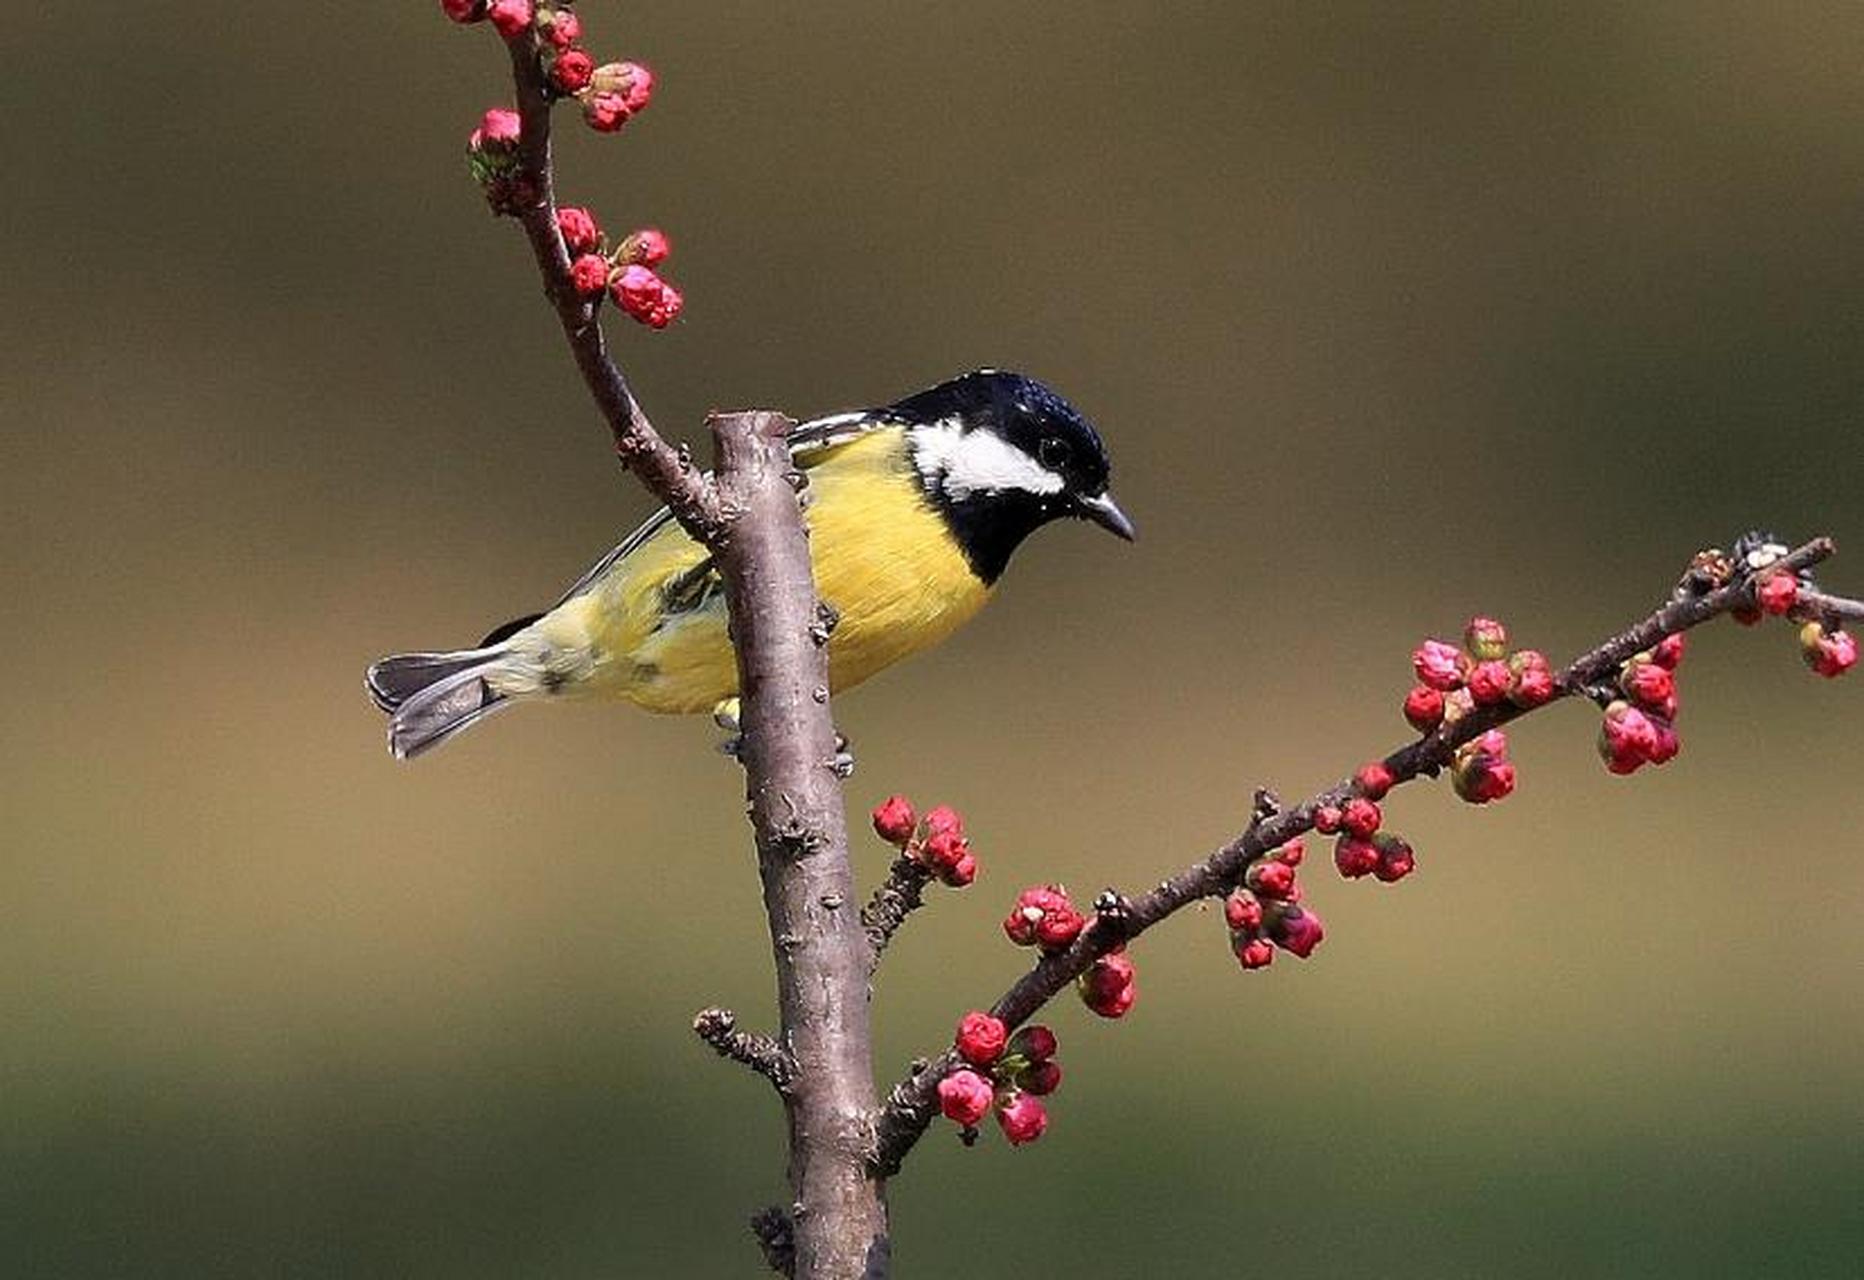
(1390, 313)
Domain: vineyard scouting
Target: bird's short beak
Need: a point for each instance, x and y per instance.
(1106, 513)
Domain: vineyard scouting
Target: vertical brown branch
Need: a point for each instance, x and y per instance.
(821, 949)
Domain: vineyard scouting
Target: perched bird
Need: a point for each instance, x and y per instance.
(913, 510)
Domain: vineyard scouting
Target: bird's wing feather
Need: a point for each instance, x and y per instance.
(810, 437)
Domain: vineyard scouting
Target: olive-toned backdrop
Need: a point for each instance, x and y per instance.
(1390, 313)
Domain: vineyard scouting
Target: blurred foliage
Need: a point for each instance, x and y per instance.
(1390, 313)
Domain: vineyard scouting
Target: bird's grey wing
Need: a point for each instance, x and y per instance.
(816, 434)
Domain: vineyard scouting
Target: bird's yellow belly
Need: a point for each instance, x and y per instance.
(882, 558)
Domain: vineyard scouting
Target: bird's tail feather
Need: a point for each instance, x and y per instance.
(432, 696)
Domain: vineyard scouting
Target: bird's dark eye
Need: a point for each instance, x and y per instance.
(1053, 453)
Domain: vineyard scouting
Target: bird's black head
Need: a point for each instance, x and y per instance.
(1000, 455)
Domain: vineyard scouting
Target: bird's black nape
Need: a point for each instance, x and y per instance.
(1001, 454)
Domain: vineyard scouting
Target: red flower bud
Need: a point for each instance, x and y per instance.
(1664, 744)
(605, 112)
(1626, 738)
(1486, 639)
(580, 232)
(894, 820)
(1777, 593)
(1058, 929)
(1361, 817)
(1255, 953)
(1242, 911)
(1034, 1043)
(1291, 853)
(942, 817)
(1373, 780)
(1489, 681)
(640, 293)
(565, 28)
(1423, 708)
(511, 17)
(589, 274)
(631, 82)
(1299, 931)
(1108, 987)
(1831, 654)
(1396, 860)
(498, 129)
(1327, 819)
(463, 10)
(1532, 686)
(1040, 1078)
(1272, 879)
(1647, 683)
(981, 1038)
(965, 1096)
(648, 246)
(1669, 651)
(1033, 908)
(572, 71)
(1355, 856)
(943, 850)
(1440, 666)
(961, 872)
(1022, 1118)
(1485, 781)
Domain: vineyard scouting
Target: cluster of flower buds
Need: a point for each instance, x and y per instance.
(1640, 727)
(610, 94)
(1009, 1074)
(1262, 913)
(1453, 681)
(1778, 593)
(936, 842)
(625, 272)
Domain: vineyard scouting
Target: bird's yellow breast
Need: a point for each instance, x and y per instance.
(883, 558)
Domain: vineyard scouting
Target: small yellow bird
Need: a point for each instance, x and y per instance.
(913, 512)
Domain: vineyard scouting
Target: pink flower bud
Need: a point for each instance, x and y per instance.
(1272, 879)
(1298, 932)
(981, 1038)
(1486, 639)
(1058, 929)
(1242, 911)
(1440, 666)
(1831, 654)
(1291, 853)
(498, 129)
(647, 246)
(579, 229)
(942, 817)
(1664, 744)
(637, 291)
(1034, 1043)
(511, 17)
(589, 274)
(1361, 817)
(1489, 681)
(1484, 779)
(1373, 780)
(1669, 651)
(605, 112)
(1255, 953)
(668, 309)
(1108, 987)
(565, 28)
(571, 71)
(463, 10)
(1777, 593)
(1396, 859)
(1033, 907)
(1327, 819)
(965, 1096)
(1355, 856)
(1532, 686)
(1040, 1078)
(1626, 738)
(894, 820)
(1022, 1119)
(961, 872)
(943, 850)
(629, 81)
(1423, 708)
(1647, 684)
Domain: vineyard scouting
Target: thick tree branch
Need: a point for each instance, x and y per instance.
(719, 1028)
(913, 1103)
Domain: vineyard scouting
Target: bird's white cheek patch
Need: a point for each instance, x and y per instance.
(970, 462)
